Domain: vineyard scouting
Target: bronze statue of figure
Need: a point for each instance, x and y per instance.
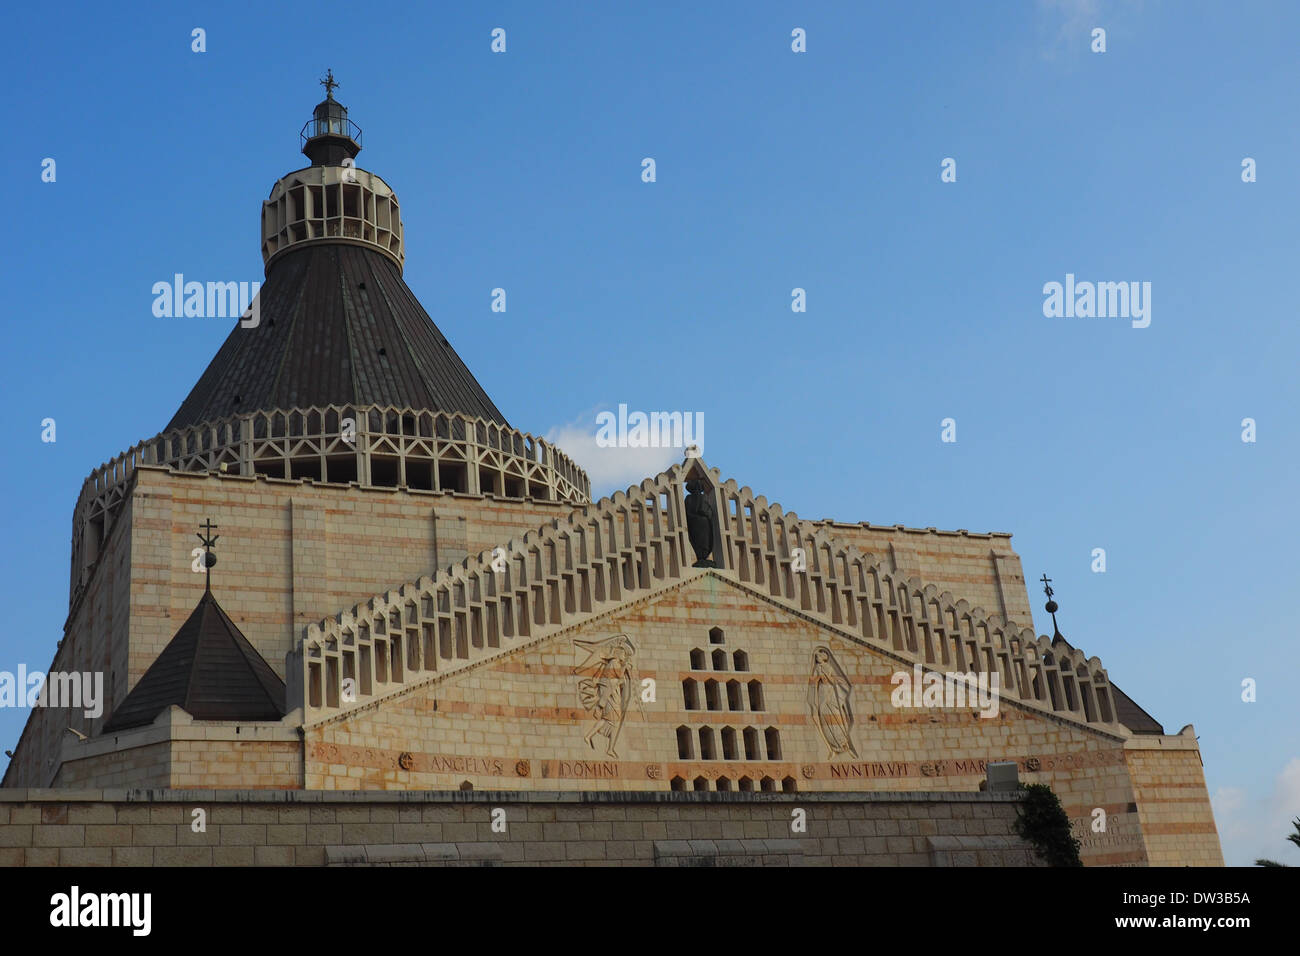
(699, 523)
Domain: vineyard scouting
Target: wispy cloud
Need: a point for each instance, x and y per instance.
(1253, 828)
(610, 469)
(1067, 24)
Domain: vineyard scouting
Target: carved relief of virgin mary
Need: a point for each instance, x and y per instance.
(829, 691)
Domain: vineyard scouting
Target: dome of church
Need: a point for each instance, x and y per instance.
(338, 336)
(337, 373)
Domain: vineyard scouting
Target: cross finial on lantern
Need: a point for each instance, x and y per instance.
(329, 84)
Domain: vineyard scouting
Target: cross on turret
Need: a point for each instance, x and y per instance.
(209, 559)
(1051, 607)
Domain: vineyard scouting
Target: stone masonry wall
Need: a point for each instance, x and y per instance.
(1173, 804)
(93, 640)
(305, 828)
(148, 765)
(982, 568)
(293, 552)
(179, 752)
(518, 722)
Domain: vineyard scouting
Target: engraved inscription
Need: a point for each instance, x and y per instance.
(582, 769)
(843, 771)
(441, 764)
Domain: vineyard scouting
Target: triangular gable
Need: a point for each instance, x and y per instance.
(629, 546)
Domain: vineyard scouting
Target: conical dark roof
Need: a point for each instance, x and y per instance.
(338, 326)
(210, 670)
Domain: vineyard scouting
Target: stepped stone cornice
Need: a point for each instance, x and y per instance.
(385, 446)
(634, 545)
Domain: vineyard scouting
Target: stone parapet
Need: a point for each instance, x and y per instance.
(635, 544)
(370, 446)
(338, 828)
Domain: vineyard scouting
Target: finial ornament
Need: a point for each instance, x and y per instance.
(209, 559)
(1051, 607)
(329, 84)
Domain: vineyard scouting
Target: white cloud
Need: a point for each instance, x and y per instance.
(1228, 800)
(1074, 20)
(610, 469)
(1254, 828)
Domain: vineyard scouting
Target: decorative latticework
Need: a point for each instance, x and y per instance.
(371, 445)
(329, 204)
(634, 545)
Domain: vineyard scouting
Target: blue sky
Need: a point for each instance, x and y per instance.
(775, 170)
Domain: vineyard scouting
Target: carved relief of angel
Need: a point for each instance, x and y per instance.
(608, 685)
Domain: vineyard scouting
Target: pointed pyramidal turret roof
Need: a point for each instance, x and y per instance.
(210, 670)
(334, 324)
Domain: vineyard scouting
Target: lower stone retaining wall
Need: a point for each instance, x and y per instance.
(410, 828)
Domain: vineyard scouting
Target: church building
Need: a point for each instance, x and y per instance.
(340, 567)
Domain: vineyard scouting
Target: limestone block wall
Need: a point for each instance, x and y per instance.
(628, 548)
(93, 640)
(292, 552)
(519, 721)
(228, 764)
(147, 765)
(1173, 803)
(250, 827)
(982, 568)
(179, 752)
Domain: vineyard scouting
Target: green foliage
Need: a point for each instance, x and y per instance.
(1042, 821)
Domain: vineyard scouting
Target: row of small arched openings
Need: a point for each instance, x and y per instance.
(756, 746)
(737, 697)
(700, 661)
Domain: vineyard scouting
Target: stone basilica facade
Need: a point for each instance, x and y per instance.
(413, 594)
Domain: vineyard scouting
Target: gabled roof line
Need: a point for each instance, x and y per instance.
(837, 585)
(441, 676)
(549, 636)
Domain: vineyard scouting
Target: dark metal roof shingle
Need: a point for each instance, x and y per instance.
(319, 339)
